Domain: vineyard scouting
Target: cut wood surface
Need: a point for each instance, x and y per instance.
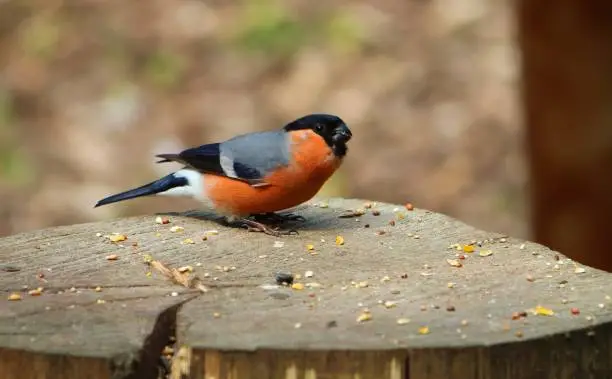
(391, 293)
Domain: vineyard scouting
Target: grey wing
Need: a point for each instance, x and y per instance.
(251, 157)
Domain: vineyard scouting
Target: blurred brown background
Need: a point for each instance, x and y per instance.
(91, 90)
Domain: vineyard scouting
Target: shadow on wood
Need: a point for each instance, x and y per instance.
(408, 294)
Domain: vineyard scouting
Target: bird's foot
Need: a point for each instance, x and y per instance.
(255, 226)
(278, 218)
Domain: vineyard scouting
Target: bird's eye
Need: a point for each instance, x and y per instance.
(319, 127)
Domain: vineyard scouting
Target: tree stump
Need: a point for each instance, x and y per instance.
(390, 293)
(567, 91)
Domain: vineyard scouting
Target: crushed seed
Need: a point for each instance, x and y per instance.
(116, 237)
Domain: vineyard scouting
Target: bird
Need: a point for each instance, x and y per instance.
(247, 179)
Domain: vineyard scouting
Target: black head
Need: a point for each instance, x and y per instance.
(333, 130)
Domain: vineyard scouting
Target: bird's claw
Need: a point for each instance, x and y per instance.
(254, 226)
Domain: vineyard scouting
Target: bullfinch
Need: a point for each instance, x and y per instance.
(250, 177)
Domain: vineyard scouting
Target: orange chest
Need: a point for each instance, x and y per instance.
(312, 162)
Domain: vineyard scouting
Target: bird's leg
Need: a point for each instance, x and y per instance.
(279, 218)
(255, 226)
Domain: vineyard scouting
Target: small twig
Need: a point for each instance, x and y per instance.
(176, 276)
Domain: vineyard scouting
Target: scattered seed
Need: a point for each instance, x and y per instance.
(112, 257)
(464, 322)
(541, 311)
(450, 308)
(297, 325)
(485, 253)
(454, 262)
(98, 289)
(212, 232)
(363, 284)
(367, 205)
(297, 286)
(409, 206)
(468, 248)
(518, 334)
(279, 244)
(339, 240)
(389, 304)
(14, 297)
(323, 205)
(187, 241)
(115, 237)
(580, 270)
(424, 330)
(530, 278)
(601, 305)
(423, 308)
(522, 247)
(185, 269)
(308, 274)
(450, 285)
(161, 220)
(403, 321)
(380, 232)
(310, 247)
(364, 316)
(176, 229)
(36, 292)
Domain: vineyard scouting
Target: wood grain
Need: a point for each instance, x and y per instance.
(247, 327)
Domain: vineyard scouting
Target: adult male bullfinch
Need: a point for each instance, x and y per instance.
(255, 174)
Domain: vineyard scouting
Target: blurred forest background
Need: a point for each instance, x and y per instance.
(90, 90)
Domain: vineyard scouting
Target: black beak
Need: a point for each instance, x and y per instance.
(342, 134)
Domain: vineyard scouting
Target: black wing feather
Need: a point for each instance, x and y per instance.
(203, 158)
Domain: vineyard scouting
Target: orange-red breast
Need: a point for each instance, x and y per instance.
(255, 173)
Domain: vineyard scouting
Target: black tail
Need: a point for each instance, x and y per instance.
(161, 185)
